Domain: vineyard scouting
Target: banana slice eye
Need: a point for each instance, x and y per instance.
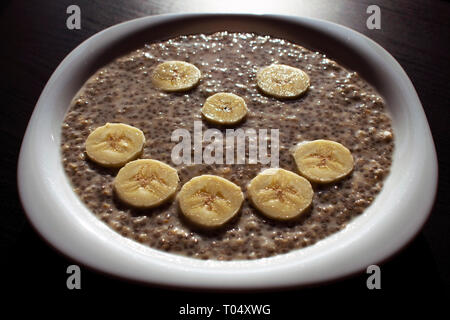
(282, 81)
(323, 161)
(176, 76)
(224, 108)
(146, 183)
(210, 201)
(114, 144)
(280, 194)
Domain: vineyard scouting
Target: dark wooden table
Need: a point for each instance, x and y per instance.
(34, 41)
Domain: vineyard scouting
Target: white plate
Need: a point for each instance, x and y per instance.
(393, 219)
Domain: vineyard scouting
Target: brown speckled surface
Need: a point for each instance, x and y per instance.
(338, 106)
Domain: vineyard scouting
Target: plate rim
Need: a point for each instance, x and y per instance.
(260, 279)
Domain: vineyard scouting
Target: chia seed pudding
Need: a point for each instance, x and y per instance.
(339, 106)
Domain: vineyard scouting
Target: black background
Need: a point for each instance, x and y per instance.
(34, 41)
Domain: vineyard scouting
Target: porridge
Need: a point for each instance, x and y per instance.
(338, 106)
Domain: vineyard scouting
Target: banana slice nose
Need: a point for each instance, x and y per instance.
(280, 194)
(323, 161)
(224, 108)
(282, 81)
(114, 144)
(146, 183)
(176, 76)
(210, 201)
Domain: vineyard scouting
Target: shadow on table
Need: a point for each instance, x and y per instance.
(33, 267)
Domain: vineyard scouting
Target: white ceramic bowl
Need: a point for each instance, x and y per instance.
(387, 225)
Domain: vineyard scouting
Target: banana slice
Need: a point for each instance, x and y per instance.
(176, 76)
(146, 183)
(282, 81)
(224, 108)
(114, 144)
(280, 194)
(210, 201)
(323, 161)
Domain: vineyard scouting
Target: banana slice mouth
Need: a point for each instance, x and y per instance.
(323, 161)
(146, 183)
(282, 81)
(280, 194)
(224, 108)
(114, 144)
(176, 76)
(210, 201)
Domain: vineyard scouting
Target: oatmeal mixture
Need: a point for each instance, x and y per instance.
(338, 106)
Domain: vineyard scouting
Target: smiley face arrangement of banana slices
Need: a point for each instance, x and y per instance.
(210, 201)
(323, 161)
(176, 76)
(224, 108)
(114, 144)
(282, 81)
(280, 194)
(146, 183)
